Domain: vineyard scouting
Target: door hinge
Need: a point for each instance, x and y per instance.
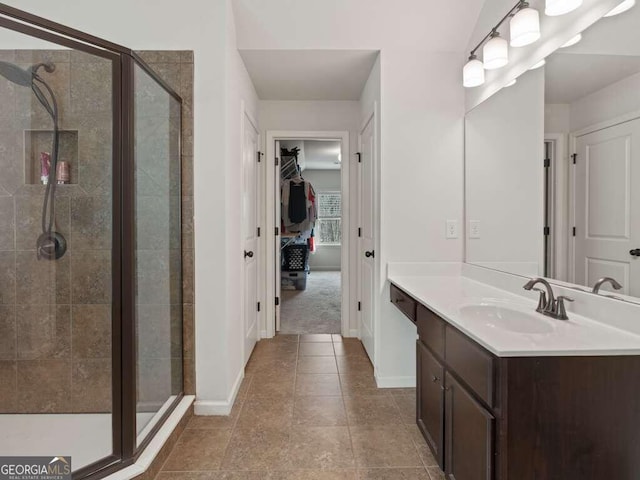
(359, 306)
(359, 231)
(359, 157)
(277, 161)
(259, 155)
(277, 301)
(574, 231)
(258, 231)
(575, 158)
(258, 306)
(547, 162)
(547, 231)
(277, 231)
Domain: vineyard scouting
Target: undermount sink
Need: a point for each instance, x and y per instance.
(507, 318)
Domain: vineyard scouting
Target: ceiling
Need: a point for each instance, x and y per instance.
(608, 52)
(316, 154)
(309, 74)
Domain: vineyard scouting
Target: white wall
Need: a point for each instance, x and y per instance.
(504, 140)
(219, 82)
(613, 101)
(557, 118)
(326, 257)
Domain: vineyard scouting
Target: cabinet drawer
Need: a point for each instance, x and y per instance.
(471, 363)
(430, 401)
(431, 329)
(404, 302)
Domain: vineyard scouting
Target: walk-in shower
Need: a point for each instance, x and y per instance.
(91, 353)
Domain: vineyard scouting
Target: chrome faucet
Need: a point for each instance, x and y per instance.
(547, 303)
(614, 283)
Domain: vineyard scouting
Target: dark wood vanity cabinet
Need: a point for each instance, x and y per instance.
(523, 418)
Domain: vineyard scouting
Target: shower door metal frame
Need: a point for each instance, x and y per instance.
(125, 450)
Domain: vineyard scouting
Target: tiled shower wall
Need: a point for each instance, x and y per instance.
(55, 317)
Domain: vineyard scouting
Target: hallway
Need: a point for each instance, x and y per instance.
(308, 408)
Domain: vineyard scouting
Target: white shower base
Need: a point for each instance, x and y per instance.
(86, 437)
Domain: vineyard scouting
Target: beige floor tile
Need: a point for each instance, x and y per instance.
(354, 364)
(393, 474)
(318, 448)
(315, 337)
(287, 337)
(317, 384)
(198, 449)
(343, 474)
(435, 473)
(212, 475)
(266, 411)
(336, 338)
(371, 410)
(273, 365)
(319, 411)
(407, 406)
(402, 391)
(349, 349)
(361, 384)
(216, 421)
(256, 448)
(272, 386)
(317, 365)
(428, 460)
(316, 349)
(383, 446)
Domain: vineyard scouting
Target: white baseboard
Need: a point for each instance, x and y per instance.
(353, 333)
(395, 382)
(219, 407)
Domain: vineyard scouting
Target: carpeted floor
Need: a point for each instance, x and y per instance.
(314, 310)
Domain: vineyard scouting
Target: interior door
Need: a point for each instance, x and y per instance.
(250, 233)
(278, 261)
(366, 235)
(607, 206)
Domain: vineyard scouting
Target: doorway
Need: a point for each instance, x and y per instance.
(307, 266)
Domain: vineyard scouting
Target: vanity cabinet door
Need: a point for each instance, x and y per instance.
(430, 400)
(469, 433)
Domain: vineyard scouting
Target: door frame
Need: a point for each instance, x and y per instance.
(246, 114)
(558, 196)
(270, 241)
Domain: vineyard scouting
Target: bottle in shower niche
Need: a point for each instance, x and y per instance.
(45, 167)
(62, 173)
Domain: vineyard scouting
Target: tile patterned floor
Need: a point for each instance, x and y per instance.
(308, 409)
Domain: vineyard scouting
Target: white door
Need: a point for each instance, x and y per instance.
(277, 216)
(607, 206)
(366, 235)
(250, 232)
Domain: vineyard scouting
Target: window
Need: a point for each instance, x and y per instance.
(328, 229)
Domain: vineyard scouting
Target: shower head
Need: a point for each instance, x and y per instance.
(23, 77)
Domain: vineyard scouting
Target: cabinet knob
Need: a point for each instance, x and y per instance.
(446, 389)
(435, 379)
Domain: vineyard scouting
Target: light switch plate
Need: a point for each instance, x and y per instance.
(452, 229)
(474, 229)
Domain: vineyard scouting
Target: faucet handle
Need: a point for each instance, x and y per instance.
(561, 312)
(542, 300)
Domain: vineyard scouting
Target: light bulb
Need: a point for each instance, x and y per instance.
(573, 41)
(473, 73)
(621, 8)
(495, 53)
(539, 64)
(525, 27)
(511, 83)
(553, 8)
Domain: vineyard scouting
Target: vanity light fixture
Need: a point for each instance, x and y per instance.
(539, 64)
(525, 29)
(573, 41)
(524, 26)
(621, 8)
(495, 53)
(554, 8)
(473, 72)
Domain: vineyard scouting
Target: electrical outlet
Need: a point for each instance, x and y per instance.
(474, 229)
(452, 229)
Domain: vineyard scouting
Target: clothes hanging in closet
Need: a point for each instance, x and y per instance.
(298, 205)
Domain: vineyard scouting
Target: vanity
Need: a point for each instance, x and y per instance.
(505, 393)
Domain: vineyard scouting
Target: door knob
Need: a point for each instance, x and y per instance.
(369, 254)
(248, 254)
(635, 252)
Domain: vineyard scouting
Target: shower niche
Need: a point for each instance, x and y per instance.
(91, 272)
(37, 142)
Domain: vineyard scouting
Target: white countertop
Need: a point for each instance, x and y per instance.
(578, 336)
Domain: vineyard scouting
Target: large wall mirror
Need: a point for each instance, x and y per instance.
(552, 166)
